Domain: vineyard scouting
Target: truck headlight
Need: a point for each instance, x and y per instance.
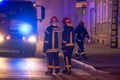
(8, 37)
(1, 38)
(32, 39)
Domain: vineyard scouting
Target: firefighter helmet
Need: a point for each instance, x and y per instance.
(81, 23)
(54, 19)
(66, 21)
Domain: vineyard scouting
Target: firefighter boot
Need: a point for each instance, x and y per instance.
(84, 57)
(77, 53)
(66, 71)
(49, 73)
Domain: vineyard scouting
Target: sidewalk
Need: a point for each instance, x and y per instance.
(103, 58)
(102, 63)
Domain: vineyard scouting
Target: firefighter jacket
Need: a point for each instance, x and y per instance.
(68, 37)
(81, 33)
(51, 40)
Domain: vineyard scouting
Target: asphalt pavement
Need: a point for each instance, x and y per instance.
(102, 63)
(101, 59)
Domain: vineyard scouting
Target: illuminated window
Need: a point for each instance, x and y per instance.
(79, 11)
(104, 12)
(110, 10)
(98, 13)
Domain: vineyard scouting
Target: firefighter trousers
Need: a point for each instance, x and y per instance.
(81, 46)
(53, 62)
(67, 58)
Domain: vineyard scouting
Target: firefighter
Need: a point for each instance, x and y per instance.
(51, 46)
(80, 35)
(67, 44)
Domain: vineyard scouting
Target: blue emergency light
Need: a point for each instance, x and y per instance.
(25, 28)
(1, 0)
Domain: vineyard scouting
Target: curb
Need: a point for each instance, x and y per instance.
(88, 68)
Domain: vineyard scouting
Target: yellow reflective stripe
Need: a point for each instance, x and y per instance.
(71, 37)
(53, 41)
(67, 64)
(56, 66)
(69, 44)
(53, 66)
(53, 37)
(52, 50)
(50, 66)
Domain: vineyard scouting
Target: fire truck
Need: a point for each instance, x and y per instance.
(18, 26)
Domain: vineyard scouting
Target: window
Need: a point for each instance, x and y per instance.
(110, 10)
(98, 12)
(104, 12)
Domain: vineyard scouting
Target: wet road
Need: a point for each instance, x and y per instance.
(16, 67)
(21, 68)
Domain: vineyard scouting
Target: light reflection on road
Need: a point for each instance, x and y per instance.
(22, 67)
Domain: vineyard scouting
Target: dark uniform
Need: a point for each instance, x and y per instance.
(80, 35)
(51, 47)
(67, 44)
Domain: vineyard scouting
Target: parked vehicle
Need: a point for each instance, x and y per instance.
(18, 26)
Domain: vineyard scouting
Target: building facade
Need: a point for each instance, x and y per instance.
(96, 14)
(99, 19)
(59, 8)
